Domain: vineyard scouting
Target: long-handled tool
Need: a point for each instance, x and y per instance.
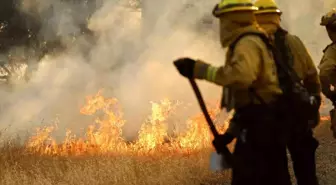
(224, 151)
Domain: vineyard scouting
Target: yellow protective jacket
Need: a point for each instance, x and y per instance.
(303, 64)
(250, 64)
(328, 71)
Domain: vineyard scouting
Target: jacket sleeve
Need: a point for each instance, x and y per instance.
(239, 72)
(311, 80)
(328, 73)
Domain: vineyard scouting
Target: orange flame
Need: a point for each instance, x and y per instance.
(105, 136)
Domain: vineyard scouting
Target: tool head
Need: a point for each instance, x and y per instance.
(218, 162)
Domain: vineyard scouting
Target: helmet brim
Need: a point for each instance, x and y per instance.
(268, 11)
(218, 13)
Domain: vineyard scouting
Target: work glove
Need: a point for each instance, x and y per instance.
(221, 141)
(185, 66)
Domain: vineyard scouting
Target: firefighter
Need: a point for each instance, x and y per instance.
(251, 87)
(328, 64)
(301, 144)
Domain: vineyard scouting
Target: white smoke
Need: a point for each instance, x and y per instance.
(132, 63)
(130, 55)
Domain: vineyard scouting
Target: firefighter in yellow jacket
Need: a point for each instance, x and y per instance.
(302, 145)
(328, 64)
(251, 87)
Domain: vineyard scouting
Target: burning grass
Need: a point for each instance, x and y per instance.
(104, 137)
(102, 156)
(19, 167)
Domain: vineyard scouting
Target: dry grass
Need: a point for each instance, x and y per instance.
(17, 167)
(20, 168)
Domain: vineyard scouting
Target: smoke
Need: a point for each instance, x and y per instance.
(129, 54)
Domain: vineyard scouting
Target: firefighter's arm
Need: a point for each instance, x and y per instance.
(240, 72)
(328, 75)
(311, 80)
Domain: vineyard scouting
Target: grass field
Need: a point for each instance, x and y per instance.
(19, 167)
(148, 161)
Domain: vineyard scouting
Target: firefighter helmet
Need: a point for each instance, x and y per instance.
(233, 5)
(267, 6)
(329, 19)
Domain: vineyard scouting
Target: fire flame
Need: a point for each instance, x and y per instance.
(105, 135)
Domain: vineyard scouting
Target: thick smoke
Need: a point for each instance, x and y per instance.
(129, 55)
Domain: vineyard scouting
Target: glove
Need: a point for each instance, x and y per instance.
(222, 140)
(185, 66)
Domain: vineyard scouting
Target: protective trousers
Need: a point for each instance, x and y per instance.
(302, 150)
(260, 149)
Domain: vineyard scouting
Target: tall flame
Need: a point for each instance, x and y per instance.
(105, 135)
